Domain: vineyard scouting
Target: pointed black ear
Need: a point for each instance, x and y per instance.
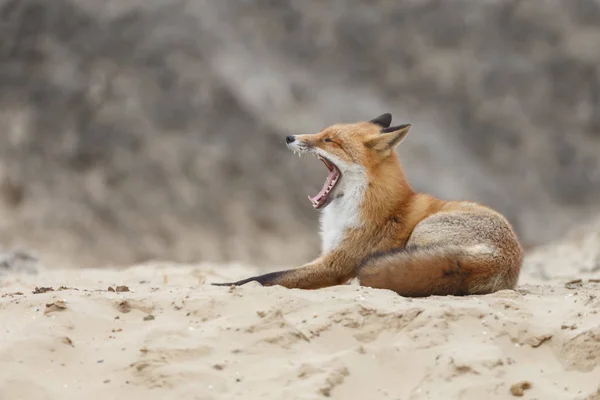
(388, 138)
(389, 129)
(384, 120)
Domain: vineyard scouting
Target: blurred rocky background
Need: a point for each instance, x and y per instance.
(153, 129)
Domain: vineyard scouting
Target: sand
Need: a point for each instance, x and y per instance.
(167, 333)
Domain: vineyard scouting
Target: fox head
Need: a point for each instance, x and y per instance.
(349, 151)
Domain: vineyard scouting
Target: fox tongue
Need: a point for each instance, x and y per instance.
(320, 198)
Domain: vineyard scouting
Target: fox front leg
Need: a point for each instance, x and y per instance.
(323, 272)
(270, 279)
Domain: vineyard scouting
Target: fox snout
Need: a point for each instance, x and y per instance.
(296, 144)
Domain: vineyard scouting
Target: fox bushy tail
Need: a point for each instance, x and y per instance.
(439, 270)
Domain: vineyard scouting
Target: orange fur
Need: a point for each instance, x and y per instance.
(398, 239)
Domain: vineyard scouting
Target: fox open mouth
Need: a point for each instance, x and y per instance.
(322, 198)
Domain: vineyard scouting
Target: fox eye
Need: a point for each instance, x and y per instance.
(327, 140)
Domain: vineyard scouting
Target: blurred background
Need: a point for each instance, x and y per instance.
(153, 129)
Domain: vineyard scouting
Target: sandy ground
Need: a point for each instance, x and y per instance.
(172, 335)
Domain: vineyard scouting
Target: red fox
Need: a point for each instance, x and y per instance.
(376, 228)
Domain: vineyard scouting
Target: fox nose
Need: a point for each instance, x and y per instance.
(289, 139)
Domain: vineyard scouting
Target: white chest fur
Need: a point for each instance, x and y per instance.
(343, 212)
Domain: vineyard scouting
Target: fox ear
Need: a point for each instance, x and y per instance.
(389, 137)
(384, 120)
